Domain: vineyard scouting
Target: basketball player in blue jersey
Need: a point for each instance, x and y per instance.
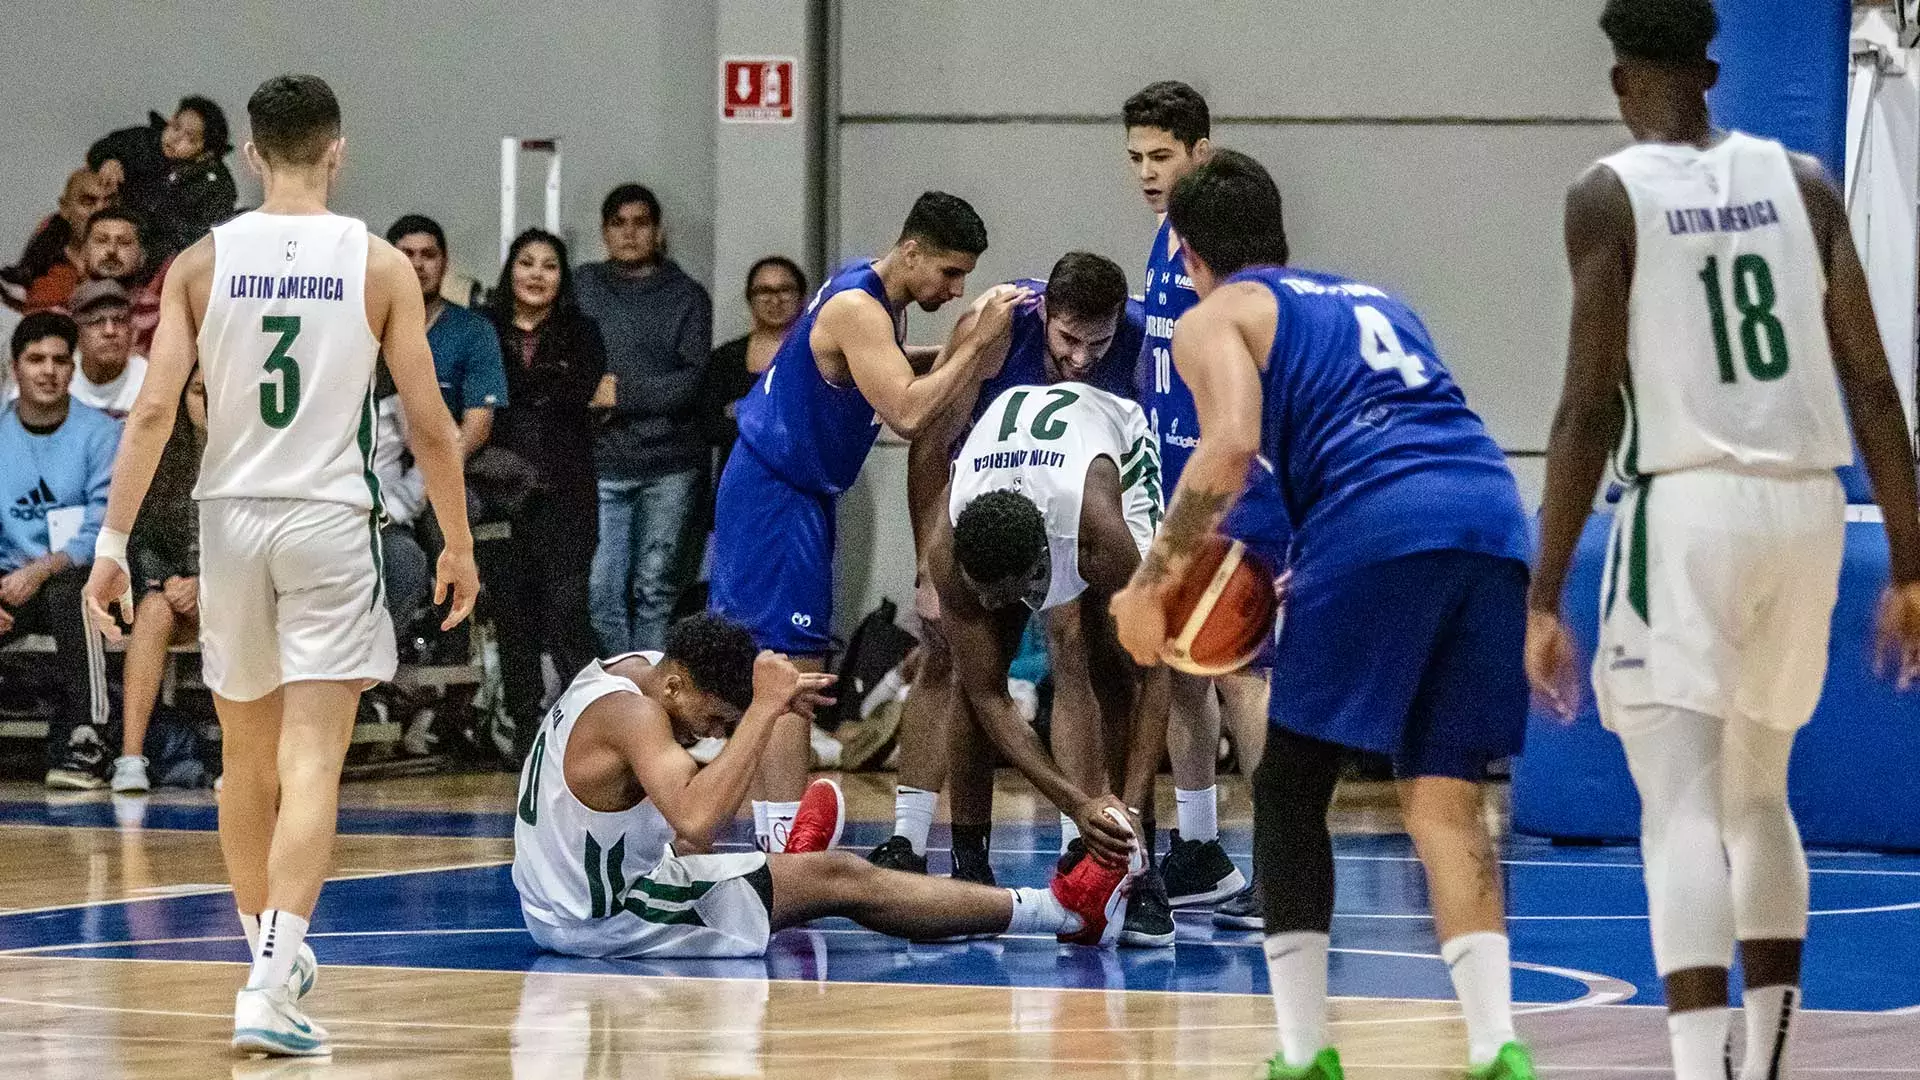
(1078, 325)
(805, 430)
(1167, 137)
(1406, 622)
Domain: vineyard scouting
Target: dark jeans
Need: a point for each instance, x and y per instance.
(636, 569)
(409, 575)
(540, 602)
(79, 661)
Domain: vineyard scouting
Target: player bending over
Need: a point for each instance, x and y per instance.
(1054, 496)
(1406, 619)
(615, 823)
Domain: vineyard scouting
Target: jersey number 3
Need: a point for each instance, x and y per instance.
(279, 398)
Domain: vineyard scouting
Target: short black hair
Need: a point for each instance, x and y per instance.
(781, 261)
(998, 536)
(1173, 107)
(294, 117)
(1660, 31)
(417, 223)
(1086, 285)
(718, 654)
(946, 222)
(44, 324)
(1228, 213)
(213, 122)
(629, 193)
(116, 212)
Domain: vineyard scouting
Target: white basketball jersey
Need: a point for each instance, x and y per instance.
(1040, 441)
(1727, 346)
(288, 359)
(572, 864)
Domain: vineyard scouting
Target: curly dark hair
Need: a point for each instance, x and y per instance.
(718, 653)
(998, 536)
(1173, 107)
(1660, 31)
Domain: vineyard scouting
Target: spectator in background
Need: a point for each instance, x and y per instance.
(115, 253)
(110, 372)
(172, 172)
(466, 350)
(56, 457)
(555, 369)
(406, 569)
(55, 259)
(658, 326)
(164, 550)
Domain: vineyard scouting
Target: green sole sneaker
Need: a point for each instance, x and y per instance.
(1326, 1066)
(1512, 1063)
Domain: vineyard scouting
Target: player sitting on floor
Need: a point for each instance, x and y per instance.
(610, 798)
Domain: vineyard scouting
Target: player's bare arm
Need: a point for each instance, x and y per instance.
(858, 328)
(183, 297)
(1213, 348)
(1600, 254)
(431, 433)
(1873, 406)
(929, 454)
(980, 677)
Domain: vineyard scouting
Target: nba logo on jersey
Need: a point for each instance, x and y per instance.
(293, 250)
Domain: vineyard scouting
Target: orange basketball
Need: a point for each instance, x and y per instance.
(1221, 611)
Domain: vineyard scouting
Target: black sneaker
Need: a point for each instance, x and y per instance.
(1198, 873)
(1149, 922)
(83, 768)
(897, 854)
(970, 864)
(1244, 910)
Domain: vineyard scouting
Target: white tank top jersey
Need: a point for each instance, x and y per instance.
(568, 860)
(1728, 355)
(1040, 441)
(288, 359)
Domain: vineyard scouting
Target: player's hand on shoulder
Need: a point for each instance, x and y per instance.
(456, 575)
(997, 309)
(1550, 663)
(1896, 649)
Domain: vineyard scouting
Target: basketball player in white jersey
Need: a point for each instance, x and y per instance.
(285, 309)
(613, 836)
(1054, 496)
(1721, 317)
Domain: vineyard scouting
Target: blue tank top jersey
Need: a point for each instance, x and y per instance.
(1026, 363)
(809, 432)
(1169, 405)
(1375, 449)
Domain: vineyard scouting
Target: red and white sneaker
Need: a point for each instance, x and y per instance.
(822, 814)
(1098, 894)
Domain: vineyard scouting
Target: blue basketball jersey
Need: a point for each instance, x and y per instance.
(1377, 454)
(809, 432)
(1169, 404)
(1026, 363)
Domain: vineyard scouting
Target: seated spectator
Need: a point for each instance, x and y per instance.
(164, 552)
(56, 457)
(109, 372)
(407, 570)
(658, 325)
(116, 253)
(466, 351)
(555, 381)
(55, 259)
(172, 173)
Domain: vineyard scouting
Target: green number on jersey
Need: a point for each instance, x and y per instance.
(1753, 296)
(279, 400)
(1010, 420)
(530, 792)
(1045, 428)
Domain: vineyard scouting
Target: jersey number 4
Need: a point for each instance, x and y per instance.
(1380, 347)
(279, 398)
(1045, 427)
(1762, 339)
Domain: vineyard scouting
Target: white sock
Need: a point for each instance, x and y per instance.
(913, 815)
(250, 925)
(1699, 1043)
(1069, 832)
(1297, 971)
(1483, 981)
(280, 935)
(1037, 911)
(760, 824)
(1769, 1012)
(1199, 813)
(780, 817)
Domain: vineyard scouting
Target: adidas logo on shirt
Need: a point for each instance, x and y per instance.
(33, 506)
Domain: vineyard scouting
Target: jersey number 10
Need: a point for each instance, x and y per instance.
(280, 398)
(1753, 296)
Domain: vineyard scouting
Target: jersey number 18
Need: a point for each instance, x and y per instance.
(1753, 296)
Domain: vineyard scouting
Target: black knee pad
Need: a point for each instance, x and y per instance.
(1292, 849)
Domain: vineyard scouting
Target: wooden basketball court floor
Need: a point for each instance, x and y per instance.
(119, 955)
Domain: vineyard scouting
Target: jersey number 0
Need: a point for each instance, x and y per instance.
(279, 398)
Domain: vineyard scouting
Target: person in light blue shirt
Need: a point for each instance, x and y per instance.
(56, 458)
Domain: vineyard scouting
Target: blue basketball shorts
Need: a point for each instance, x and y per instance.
(772, 558)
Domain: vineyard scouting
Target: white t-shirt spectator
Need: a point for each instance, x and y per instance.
(114, 398)
(403, 488)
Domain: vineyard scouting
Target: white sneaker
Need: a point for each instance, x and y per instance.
(130, 774)
(419, 738)
(306, 971)
(268, 1022)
